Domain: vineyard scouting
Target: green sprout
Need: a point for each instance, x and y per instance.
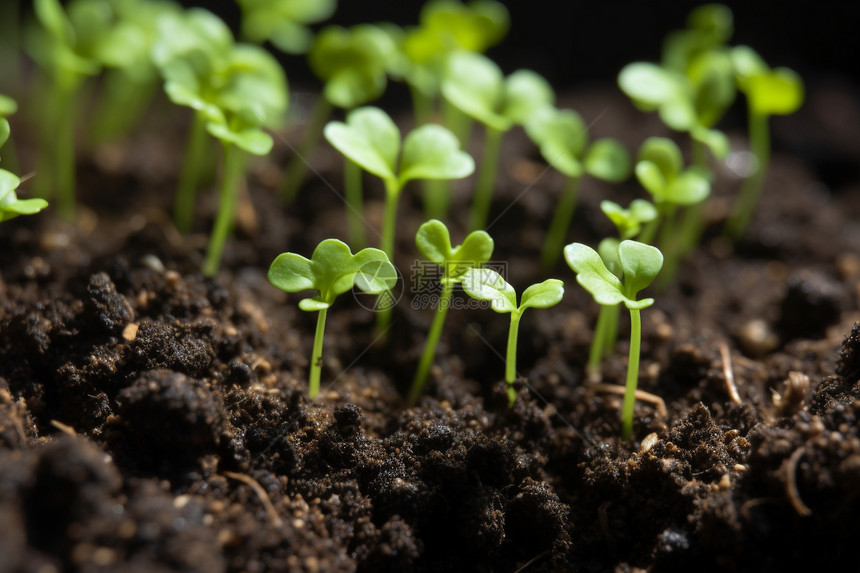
(640, 264)
(54, 44)
(235, 90)
(446, 27)
(434, 242)
(629, 223)
(371, 140)
(10, 205)
(332, 270)
(660, 170)
(284, 23)
(488, 285)
(475, 85)
(563, 140)
(8, 106)
(777, 91)
(353, 63)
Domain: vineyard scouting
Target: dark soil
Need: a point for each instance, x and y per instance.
(155, 420)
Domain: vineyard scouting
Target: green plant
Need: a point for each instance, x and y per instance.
(434, 242)
(488, 285)
(53, 42)
(371, 140)
(562, 137)
(332, 270)
(629, 223)
(235, 90)
(10, 205)
(640, 264)
(660, 170)
(8, 106)
(777, 91)
(283, 22)
(475, 86)
(353, 64)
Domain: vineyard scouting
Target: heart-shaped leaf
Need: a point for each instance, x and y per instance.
(689, 188)
(434, 242)
(561, 136)
(525, 93)
(593, 275)
(608, 160)
(369, 138)
(640, 263)
(542, 295)
(474, 84)
(433, 152)
(488, 285)
(778, 92)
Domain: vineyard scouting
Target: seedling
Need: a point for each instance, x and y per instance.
(234, 90)
(52, 42)
(353, 63)
(769, 92)
(475, 86)
(284, 23)
(487, 284)
(563, 140)
(371, 140)
(434, 242)
(10, 205)
(8, 106)
(331, 271)
(660, 170)
(640, 264)
(629, 223)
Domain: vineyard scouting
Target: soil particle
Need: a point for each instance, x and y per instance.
(105, 309)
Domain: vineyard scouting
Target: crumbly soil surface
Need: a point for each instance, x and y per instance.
(155, 420)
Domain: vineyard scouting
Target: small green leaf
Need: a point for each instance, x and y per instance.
(4, 131)
(433, 152)
(561, 136)
(313, 304)
(8, 106)
(487, 284)
(369, 138)
(375, 273)
(608, 251)
(688, 188)
(628, 221)
(253, 140)
(525, 93)
(474, 84)
(434, 242)
(283, 21)
(593, 275)
(647, 83)
(640, 263)
(650, 177)
(747, 63)
(10, 205)
(778, 92)
(608, 160)
(542, 295)
(711, 76)
(714, 139)
(291, 273)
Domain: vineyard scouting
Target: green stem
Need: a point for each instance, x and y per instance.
(743, 209)
(299, 163)
(614, 313)
(122, 104)
(227, 199)
(64, 147)
(693, 223)
(511, 358)
(316, 356)
(431, 344)
(598, 340)
(422, 106)
(632, 375)
(189, 177)
(558, 227)
(354, 204)
(669, 246)
(486, 178)
(458, 122)
(389, 224)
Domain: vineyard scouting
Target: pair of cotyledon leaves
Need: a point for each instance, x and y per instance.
(372, 140)
(237, 87)
(777, 91)
(639, 264)
(629, 220)
(488, 285)
(562, 137)
(434, 242)
(332, 270)
(660, 170)
(284, 22)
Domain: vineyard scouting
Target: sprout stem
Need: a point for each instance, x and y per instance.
(316, 356)
(389, 223)
(486, 178)
(743, 209)
(555, 237)
(693, 225)
(300, 162)
(63, 145)
(354, 204)
(431, 344)
(511, 358)
(227, 198)
(123, 101)
(189, 177)
(599, 341)
(632, 375)
(422, 106)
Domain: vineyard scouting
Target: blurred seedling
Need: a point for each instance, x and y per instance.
(640, 264)
(488, 285)
(434, 242)
(332, 270)
(562, 137)
(10, 205)
(475, 85)
(284, 23)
